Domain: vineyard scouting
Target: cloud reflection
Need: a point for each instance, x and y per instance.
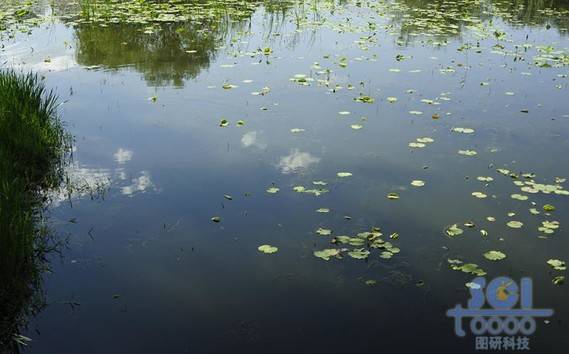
(250, 139)
(139, 185)
(122, 156)
(296, 161)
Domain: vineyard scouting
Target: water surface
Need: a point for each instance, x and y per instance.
(147, 271)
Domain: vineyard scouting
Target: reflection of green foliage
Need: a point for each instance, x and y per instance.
(168, 42)
(171, 54)
(535, 12)
(33, 143)
(445, 19)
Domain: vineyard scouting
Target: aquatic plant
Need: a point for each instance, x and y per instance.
(33, 148)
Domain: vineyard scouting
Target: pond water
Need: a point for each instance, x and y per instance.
(264, 115)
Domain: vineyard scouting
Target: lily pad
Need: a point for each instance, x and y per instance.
(267, 249)
(479, 195)
(273, 190)
(359, 253)
(323, 232)
(326, 254)
(467, 152)
(417, 183)
(515, 224)
(557, 264)
(494, 255)
(453, 230)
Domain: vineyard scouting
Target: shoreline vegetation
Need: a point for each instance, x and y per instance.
(33, 149)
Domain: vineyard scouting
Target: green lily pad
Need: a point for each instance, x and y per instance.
(365, 99)
(494, 255)
(453, 230)
(515, 224)
(548, 208)
(479, 195)
(417, 183)
(463, 130)
(359, 253)
(323, 232)
(557, 264)
(519, 196)
(326, 254)
(558, 280)
(267, 249)
(467, 152)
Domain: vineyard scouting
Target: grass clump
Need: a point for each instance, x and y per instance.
(33, 150)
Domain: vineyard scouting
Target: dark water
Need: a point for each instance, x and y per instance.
(147, 271)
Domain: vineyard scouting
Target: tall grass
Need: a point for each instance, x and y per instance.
(33, 149)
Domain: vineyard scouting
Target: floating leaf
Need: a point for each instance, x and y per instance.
(515, 224)
(416, 145)
(417, 183)
(364, 99)
(326, 254)
(273, 190)
(323, 232)
(453, 230)
(558, 280)
(344, 174)
(323, 210)
(484, 179)
(494, 255)
(519, 197)
(425, 140)
(548, 208)
(470, 268)
(216, 219)
(557, 264)
(463, 130)
(479, 195)
(267, 249)
(467, 152)
(359, 253)
(393, 196)
(223, 123)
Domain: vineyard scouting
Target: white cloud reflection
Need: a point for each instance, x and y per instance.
(83, 181)
(250, 139)
(139, 185)
(56, 64)
(296, 161)
(122, 156)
